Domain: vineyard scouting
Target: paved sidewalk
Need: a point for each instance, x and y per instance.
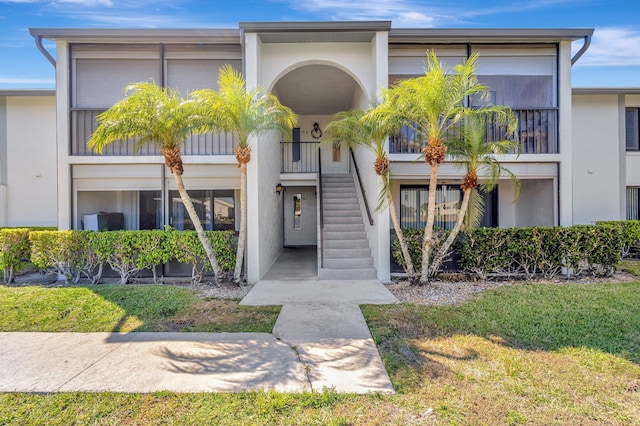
(319, 340)
(148, 362)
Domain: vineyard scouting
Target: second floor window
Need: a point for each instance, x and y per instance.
(631, 124)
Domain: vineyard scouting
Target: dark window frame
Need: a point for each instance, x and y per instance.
(491, 205)
(632, 124)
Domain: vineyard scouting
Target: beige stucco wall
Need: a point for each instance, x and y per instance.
(353, 58)
(598, 158)
(31, 186)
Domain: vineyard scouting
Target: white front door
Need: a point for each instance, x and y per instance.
(300, 216)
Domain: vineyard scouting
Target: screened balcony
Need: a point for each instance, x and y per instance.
(84, 123)
(537, 133)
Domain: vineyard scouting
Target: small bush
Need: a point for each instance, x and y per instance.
(186, 248)
(630, 234)
(59, 252)
(14, 254)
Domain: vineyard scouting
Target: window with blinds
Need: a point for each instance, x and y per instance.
(414, 200)
(631, 125)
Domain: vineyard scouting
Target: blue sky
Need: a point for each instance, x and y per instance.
(613, 60)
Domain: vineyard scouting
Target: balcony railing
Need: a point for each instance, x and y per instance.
(537, 133)
(299, 157)
(84, 123)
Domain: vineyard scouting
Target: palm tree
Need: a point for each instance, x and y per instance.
(159, 116)
(478, 158)
(245, 113)
(432, 105)
(355, 128)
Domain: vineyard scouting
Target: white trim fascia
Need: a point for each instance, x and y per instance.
(151, 159)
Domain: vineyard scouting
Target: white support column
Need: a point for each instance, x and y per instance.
(63, 103)
(253, 211)
(380, 53)
(565, 134)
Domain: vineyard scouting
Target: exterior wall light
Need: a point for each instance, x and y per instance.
(278, 188)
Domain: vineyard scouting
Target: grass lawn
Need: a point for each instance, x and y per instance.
(125, 308)
(531, 354)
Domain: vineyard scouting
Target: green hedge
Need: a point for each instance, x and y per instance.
(537, 251)
(77, 254)
(630, 233)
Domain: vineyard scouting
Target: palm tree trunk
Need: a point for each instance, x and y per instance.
(442, 251)
(427, 242)
(188, 205)
(242, 237)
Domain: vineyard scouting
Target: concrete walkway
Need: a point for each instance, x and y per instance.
(319, 340)
(323, 322)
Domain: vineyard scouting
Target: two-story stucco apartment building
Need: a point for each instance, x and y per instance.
(577, 159)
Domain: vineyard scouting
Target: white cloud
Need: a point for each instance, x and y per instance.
(88, 3)
(129, 20)
(23, 80)
(612, 46)
(414, 13)
(401, 12)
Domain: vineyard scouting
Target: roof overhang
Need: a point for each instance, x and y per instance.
(138, 35)
(315, 32)
(27, 92)
(486, 35)
(606, 91)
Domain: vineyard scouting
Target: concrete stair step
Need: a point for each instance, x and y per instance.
(339, 190)
(347, 253)
(342, 220)
(342, 213)
(343, 227)
(345, 235)
(345, 244)
(339, 195)
(358, 263)
(341, 204)
(338, 184)
(347, 274)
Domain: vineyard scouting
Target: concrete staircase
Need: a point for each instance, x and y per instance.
(346, 251)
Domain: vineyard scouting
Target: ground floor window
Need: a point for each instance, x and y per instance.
(633, 207)
(414, 201)
(150, 210)
(215, 208)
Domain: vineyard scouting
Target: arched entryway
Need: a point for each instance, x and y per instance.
(315, 92)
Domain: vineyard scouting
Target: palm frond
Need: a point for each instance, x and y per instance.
(475, 211)
(148, 114)
(246, 113)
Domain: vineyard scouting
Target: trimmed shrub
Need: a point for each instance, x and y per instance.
(485, 250)
(630, 234)
(186, 248)
(542, 251)
(76, 254)
(129, 252)
(535, 251)
(58, 252)
(413, 238)
(15, 249)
